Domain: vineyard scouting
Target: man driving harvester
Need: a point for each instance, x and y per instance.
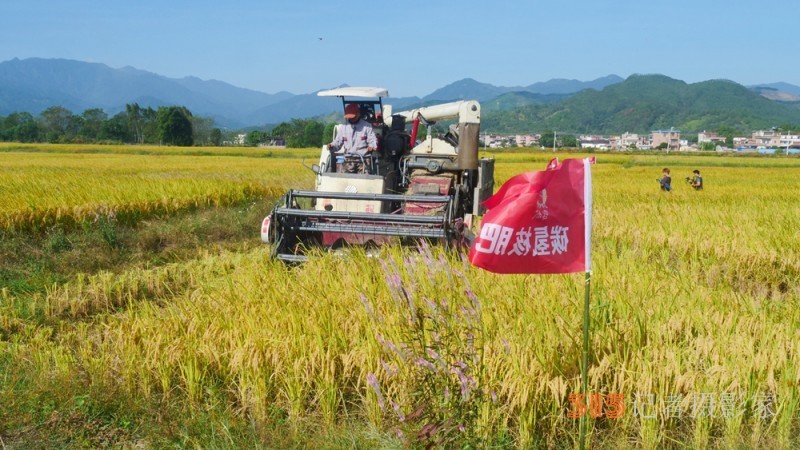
(358, 140)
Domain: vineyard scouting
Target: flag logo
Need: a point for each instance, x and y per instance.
(541, 207)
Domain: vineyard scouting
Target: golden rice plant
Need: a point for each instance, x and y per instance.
(694, 308)
(40, 190)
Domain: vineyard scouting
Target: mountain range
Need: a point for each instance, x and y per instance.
(634, 104)
(35, 84)
(643, 103)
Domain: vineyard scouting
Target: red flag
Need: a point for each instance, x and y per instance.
(552, 164)
(539, 222)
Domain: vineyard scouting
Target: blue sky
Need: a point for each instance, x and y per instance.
(413, 47)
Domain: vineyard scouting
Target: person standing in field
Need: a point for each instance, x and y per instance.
(358, 140)
(697, 180)
(665, 181)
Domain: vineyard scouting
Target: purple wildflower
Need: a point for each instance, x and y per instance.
(390, 369)
(373, 382)
(433, 354)
(476, 304)
(399, 412)
(465, 384)
(425, 363)
(468, 313)
(425, 250)
(396, 350)
(367, 306)
(431, 305)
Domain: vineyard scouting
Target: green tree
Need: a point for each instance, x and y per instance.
(142, 124)
(708, 146)
(175, 126)
(56, 122)
(728, 133)
(201, 129)
(568, 141)
(546, 139)
(253, 138)
(135, 122)
(282, 130)
(312, 134)
(19, 127)
(74, 126)
(327, 133)
(116, 129)
(93, 120)
(150, 131)
(216, 137)
(300, 133)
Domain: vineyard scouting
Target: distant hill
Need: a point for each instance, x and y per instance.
(776, 94)
(475, 90)
(563, 86)
(643, 103)
(35, 84)
(468, 89)
(518, 99)
(310, 105)
(780, 87)
(604, 105)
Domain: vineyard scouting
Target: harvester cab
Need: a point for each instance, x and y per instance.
(415, 189)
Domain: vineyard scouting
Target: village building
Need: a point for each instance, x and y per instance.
(671, 137)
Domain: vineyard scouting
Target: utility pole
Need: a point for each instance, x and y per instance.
(788, 133)
(555, 133)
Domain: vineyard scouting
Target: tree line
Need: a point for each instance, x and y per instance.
(166, 125)
(297, 133)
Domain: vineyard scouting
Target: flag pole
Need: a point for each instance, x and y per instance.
(587, 217)
(585, 364)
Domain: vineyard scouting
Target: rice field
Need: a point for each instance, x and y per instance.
(43, 189)
(695, 319)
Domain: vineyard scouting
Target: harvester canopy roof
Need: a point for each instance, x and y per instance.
(352, 91)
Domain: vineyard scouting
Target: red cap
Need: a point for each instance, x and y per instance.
(351, 111)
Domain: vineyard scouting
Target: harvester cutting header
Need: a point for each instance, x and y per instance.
(376, 183)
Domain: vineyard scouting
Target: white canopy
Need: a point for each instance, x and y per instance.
(353, 91)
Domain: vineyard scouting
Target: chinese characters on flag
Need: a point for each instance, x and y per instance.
(539, 222)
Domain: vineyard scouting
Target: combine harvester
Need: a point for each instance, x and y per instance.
(431, 190)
